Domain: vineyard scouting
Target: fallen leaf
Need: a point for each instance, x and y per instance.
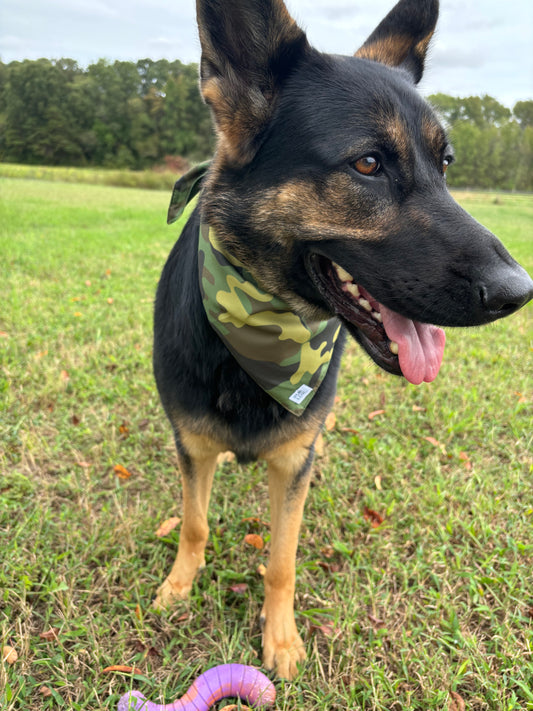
(350, 430)
(64, 376)
(329, 424)
(377, 482)
(124, 429)
(463, 456)
(234, 707)
(375, 620)
(253, 539)
(327, 629)
(456, 703)
(239, 588)
(75, 420)
(45, 691)
(330, 567)
(436, 443)
(121, 471)
(122, 668)
(371, 415)
(52, 633)
(417, 408)
(85, 465)
(373, 517)
(167, 526)
(9, 654)
(3, 334)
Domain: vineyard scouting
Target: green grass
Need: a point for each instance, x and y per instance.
(437, 599)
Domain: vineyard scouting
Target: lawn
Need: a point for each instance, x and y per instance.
(415, 582)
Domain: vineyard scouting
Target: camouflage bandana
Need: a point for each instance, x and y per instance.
(285, 355)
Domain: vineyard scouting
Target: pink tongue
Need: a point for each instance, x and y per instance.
(420, 346)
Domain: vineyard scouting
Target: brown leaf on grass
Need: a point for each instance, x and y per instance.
(436, 443)
(456, 703)
(377, 482)
(75, 420)
(239, 588)
(327, 629)
(51, 634)
(122, 668)
(373, 517)
(350, 430)
(330, 567)
(253, 539)
(417, 408)
(84, 465)
(65, 377)
(330, 422)
(3, 334)
(463, 456)
(376, 413)
(121, 471)
(167, 526)
(376, 621)
(124, 429)
(45, 691)
(9, 654)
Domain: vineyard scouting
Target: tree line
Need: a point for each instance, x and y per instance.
(138, 114)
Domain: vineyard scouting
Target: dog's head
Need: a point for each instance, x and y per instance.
(329, 182)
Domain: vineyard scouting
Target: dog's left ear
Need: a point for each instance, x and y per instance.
(249, 47)
(402, 38)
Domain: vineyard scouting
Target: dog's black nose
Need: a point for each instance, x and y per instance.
(504, 291)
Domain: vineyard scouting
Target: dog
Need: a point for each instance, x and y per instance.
(323, 214)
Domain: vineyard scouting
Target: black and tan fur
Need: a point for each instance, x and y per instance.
(286, 197)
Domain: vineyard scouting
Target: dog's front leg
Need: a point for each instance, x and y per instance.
(197, 457)
(288, 480)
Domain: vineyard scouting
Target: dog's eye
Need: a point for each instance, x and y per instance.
(446, 163)
(367, 165)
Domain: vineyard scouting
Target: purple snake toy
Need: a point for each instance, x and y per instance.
(235, 680)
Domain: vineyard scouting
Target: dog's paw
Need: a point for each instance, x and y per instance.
(283, 649)
(169, 593)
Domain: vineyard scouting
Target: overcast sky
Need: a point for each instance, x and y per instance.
(481, 47)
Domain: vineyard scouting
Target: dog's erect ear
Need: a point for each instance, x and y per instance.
(248, 49)
(402, 38)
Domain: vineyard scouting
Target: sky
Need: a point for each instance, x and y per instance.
(481, 47)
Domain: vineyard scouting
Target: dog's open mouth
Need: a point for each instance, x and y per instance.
(397, 344)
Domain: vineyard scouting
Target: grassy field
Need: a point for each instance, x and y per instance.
(431, 609)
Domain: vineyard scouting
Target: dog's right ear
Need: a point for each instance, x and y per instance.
(248, 49)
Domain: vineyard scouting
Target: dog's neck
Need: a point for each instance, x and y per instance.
(285, 355)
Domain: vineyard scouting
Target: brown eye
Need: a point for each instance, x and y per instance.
(367, 165)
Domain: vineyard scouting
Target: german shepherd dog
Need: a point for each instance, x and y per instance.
(325, 208)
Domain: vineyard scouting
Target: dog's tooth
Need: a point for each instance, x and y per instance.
(342, 273)
(377, 316)
(365, 304)
(353, 289)
(393, 346)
